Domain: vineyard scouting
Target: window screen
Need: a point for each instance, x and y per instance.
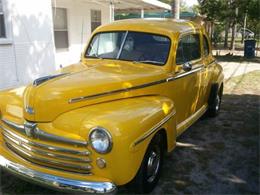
(188, 49)
(205, 45)
(60, 28)
(95, 19)
(2, 21)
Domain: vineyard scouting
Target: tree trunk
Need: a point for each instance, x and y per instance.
(234, 32)
(226, 35)
(176, 9)
(243, 33)
(211, 30)
(232, 44)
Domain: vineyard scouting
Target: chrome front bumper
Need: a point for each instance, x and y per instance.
(55, 182)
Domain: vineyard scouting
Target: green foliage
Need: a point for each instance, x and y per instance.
(254, 17)
(196, 9)
(210, 8)
(217, 38)
(224, 12)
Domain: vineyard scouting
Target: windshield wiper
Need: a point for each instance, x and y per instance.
(148, 61)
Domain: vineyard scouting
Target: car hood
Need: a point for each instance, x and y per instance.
(79, 85)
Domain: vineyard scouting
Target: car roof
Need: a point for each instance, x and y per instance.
(162, 26)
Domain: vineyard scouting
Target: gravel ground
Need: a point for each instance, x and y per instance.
(214, 156)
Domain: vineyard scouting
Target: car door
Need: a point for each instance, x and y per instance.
(188, 80)
(206, 73)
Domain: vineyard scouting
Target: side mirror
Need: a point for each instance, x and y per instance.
(187, 66)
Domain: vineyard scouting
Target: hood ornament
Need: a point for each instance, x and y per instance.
(29, 110)
(30, 129)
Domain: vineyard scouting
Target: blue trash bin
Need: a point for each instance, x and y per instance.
(249, 48)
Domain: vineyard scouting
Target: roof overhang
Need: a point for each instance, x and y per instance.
(130, 5)
(149, 5)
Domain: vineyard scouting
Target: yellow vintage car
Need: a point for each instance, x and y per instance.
(108, 120)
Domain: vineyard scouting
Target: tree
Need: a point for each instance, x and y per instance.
(210, 8)
(253, 8)
(229, 14)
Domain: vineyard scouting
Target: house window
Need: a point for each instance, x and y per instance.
(95, 19)
(2, 21)
(60, 28)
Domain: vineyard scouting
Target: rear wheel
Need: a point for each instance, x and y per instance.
(150, 170)
(214, 106)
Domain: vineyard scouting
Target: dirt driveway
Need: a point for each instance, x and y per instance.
(220, 155)
(215, 156)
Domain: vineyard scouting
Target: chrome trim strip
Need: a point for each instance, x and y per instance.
(154, 128)
(47, 163)
(43, 135)
(181, 75)
(11, 141)
(12, 125)
(74, 100)
(50, 137)
(44, 146)
(41, 80)
(56, 182)
(178, 76)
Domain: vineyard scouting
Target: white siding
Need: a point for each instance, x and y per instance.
(79, 27)
(30, 53)
(8, 72)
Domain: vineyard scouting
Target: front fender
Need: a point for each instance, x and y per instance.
(127, 120)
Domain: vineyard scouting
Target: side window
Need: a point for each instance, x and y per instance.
(188, 49)
(205, 46)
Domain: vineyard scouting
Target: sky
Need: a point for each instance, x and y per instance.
(191, 2)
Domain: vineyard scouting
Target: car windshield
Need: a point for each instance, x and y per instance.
(137, 47)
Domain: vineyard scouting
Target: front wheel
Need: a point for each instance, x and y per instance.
(150, 170)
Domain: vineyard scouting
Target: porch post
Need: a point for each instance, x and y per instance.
(112, 11)
(142, 13)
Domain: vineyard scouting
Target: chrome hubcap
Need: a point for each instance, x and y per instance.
(153, 164)
(217, 103)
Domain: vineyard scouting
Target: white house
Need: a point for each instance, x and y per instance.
(39, 36)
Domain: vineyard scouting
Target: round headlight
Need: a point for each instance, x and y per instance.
(100, 140)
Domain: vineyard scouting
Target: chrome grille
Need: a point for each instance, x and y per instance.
(69, 158)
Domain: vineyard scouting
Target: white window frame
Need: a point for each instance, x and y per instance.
(62, 30)
(7, 39)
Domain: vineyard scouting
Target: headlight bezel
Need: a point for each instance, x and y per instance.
(98, 128)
